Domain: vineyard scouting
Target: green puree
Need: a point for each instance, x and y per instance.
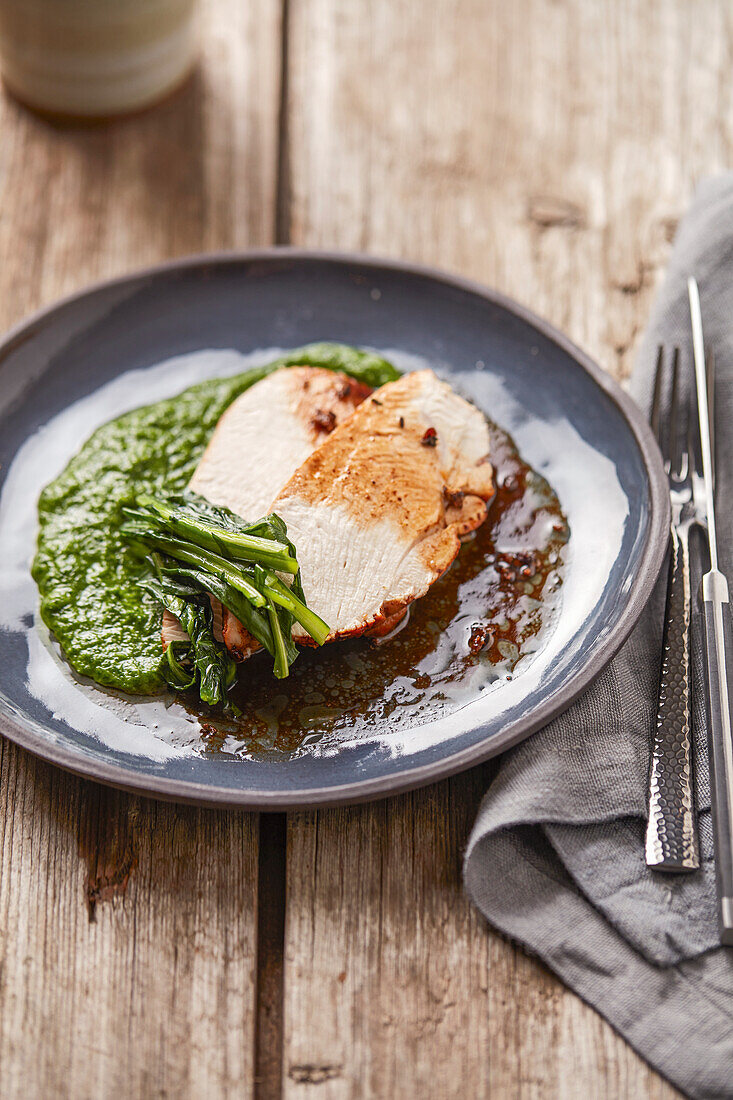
(87, 578)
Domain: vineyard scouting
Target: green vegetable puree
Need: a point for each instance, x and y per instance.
(107, 627)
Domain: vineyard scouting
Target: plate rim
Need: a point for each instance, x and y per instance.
(365, 790)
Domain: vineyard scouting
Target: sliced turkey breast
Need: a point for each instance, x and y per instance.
(281, 419)
(293, 410)
(172, 631)
(377, 510)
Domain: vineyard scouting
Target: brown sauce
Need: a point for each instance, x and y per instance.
(491, 610)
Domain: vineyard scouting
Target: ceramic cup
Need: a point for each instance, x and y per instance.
(95, 58)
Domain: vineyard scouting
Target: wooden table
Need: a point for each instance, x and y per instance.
(545, 147)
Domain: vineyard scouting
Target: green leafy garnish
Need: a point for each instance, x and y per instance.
(196, 550)
(201, 662)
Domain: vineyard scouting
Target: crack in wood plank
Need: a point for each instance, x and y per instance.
(283, 188)
(311, 1073)
(555, 212)
(108, 843)
(271, 895)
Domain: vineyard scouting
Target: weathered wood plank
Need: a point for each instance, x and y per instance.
(128, 928)
(128, 947)
(546, 149)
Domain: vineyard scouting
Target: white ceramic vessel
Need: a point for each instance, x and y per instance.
(95, 58)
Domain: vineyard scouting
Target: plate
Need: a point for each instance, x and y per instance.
(149, 335)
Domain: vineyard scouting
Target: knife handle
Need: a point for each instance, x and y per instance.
(718, 661)
(671, 836)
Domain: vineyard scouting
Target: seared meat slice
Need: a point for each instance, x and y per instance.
(280, 419)
(172, 631)
(376, 511)
(268, 431)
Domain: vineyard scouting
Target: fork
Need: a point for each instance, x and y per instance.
(671, 837)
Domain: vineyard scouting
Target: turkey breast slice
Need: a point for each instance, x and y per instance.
(280, 420)
(263, 437)
(376, 512)
(172, 631)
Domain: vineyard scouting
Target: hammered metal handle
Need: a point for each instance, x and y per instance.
(718, 681)
(671, 838)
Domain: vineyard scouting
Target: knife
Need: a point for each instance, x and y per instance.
(718, 649)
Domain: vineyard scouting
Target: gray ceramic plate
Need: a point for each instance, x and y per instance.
(141, 338)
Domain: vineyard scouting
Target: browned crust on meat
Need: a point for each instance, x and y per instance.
(242, 645)
(466, 516)
(322, 399)
(238, 641)
(392, 475)
(388, 623)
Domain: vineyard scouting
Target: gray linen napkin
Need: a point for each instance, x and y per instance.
(556, 856)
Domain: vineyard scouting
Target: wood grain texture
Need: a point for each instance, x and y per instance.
(128, 928)
(547, 149)
(128, 950)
